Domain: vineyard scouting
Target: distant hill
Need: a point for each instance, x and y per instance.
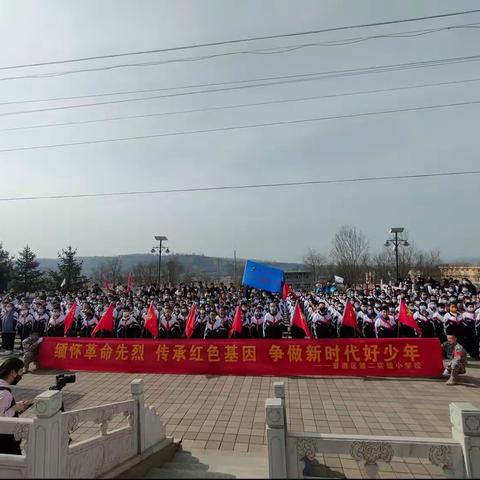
(193, 263)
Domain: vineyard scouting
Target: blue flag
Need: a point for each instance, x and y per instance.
(263, 277)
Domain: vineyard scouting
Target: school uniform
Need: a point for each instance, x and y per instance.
(425, 323)
(56, 327)
(40, 322)
(24, 324)
(128, 327)
(88, 326)
(468, 335)
(452, 322)
(169, 328)
(384, 328)
(322, 325)
(272, 325)
(9, 328)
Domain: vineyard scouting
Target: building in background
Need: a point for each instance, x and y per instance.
(302, 280)
(461, 271)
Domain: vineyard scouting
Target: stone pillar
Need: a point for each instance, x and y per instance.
(137, 389)
(465, 420)
(276, 438)
(49, 459)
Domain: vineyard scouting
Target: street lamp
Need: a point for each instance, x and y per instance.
(160, 248)
(396, 242)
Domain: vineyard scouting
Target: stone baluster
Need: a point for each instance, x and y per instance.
(276, 438)
(137, 389)
(49, 457)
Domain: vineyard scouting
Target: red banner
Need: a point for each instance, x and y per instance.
(396, 357)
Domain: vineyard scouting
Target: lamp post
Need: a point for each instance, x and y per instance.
(396, 242)
(160, 248)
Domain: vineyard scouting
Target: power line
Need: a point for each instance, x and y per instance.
(237, 127)
(265, 51)
(243, 105)
(282, 80)
(216, 84)
(241, 40)
(242, 187)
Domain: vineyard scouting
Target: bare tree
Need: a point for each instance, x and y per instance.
(316, 262)
(410, 259)
(175, 270)
(109, 270)
(145, 273)
(350, 254)
(428, 263)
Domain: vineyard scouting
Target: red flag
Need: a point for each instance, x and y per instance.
(129, 283)
(151, 321)
(237, 325)
(69, 319)
(349, 318)
(106, 322)
(299, 321)
(190, 322)
(406, 317)
(285, 291)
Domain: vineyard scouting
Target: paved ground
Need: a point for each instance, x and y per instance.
(227, 413)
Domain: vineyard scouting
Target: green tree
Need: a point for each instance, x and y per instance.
(6, 268)
(27, 277)
(70, 270)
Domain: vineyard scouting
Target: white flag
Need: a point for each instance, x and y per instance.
(339, 279)
(63, 283)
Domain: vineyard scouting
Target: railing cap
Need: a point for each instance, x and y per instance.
(279, 389)
(465, 418)
(48, 403)
(274, 413)
(137, 386)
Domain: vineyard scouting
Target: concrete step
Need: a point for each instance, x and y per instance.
(165, 472)
(185, 457)
(186, 466)
(202, 463)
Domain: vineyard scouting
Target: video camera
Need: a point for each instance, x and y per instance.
(62, 380)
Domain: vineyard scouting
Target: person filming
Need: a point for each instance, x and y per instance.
(10, 374)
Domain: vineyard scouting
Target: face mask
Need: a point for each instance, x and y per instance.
(471, 309)
(423, 308)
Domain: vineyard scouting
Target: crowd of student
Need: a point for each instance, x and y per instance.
(449, 307)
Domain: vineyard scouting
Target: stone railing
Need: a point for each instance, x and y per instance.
(15, 466)
(122, 433)
(459, 456)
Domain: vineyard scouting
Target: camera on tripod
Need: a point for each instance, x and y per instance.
(62, 380)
